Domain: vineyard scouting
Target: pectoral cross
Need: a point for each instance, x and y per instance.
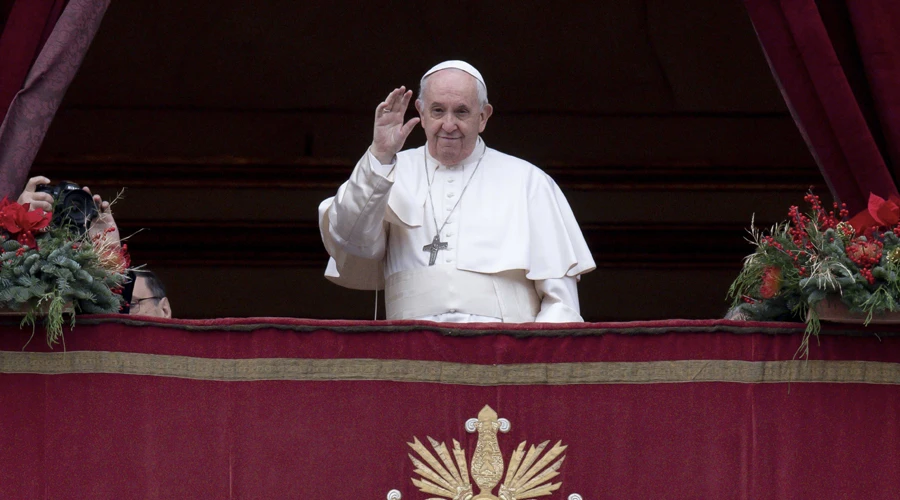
(435, 246)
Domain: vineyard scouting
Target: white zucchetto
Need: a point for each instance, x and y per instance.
(460, 65)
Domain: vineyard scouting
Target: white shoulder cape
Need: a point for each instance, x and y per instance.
(512, 216)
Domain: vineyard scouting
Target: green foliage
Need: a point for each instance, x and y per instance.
(808, 259)
(66, 274)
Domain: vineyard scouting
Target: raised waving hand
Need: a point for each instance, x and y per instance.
(390, 132)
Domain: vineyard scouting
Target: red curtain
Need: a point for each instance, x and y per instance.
(837, 63)
(24, 34)
(42, 46)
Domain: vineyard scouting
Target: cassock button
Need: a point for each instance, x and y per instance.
(450, 180)
(452, 311)
(450, 195)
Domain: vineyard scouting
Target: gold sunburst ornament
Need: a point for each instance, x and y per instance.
(527, 476)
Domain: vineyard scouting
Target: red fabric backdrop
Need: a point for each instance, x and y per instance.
(151, 421)
(41, 48)
(27, 27)
(837, 63)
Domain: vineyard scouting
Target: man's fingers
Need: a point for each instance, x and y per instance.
(44, 197)
(408, 128)
(389, 100)
(402, 99)
(43, 205)
(34, 182)
(385, 105)
(396, 102)
(397, 93)
(393, 98)
(390, 132)
(86, 189)
(404, 102)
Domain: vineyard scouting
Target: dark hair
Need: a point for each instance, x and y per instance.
(157, 289)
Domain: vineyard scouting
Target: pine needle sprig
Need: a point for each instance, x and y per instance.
(67, 273)
(809, 259)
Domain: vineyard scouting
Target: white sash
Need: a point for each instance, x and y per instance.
(433, 290)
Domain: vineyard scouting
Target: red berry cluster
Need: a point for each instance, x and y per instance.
(826, 220)
(798, 226)
(126, 257)
(865, 254)
(96, 237)
(846, 230)
(794, 255)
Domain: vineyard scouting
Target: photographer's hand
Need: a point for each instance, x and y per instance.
(104, 224)
(36, 200)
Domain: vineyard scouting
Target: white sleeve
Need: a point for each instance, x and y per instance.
(356, 216)
(559, 300)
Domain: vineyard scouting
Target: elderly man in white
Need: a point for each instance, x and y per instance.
(453, 230)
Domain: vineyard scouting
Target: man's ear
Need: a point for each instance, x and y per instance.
(164, 306)
(486, 112)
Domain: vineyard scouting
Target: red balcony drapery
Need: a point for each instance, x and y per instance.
(275, 408)
(28, 24)
(41, 48)
(837, 63)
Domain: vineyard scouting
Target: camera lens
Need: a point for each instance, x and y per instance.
(72, 207)
(76, 209)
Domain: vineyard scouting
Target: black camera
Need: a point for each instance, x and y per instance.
(72, 207)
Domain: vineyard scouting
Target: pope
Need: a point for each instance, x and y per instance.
(454, 231)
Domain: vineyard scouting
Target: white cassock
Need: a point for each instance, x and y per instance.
(514, 250)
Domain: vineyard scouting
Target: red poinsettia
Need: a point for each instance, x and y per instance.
(771, 282)
(880, 213)
(21, 222)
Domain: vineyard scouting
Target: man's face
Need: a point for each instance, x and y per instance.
(451, 115)
(143, 302)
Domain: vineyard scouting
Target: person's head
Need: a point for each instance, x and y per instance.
(149, 296)
(454, 109)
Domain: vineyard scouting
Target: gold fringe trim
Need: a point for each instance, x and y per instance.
(441, 372)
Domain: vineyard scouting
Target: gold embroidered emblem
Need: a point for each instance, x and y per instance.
(526, 477)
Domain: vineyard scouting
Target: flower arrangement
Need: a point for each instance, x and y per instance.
(800, 262)
(48, 271)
